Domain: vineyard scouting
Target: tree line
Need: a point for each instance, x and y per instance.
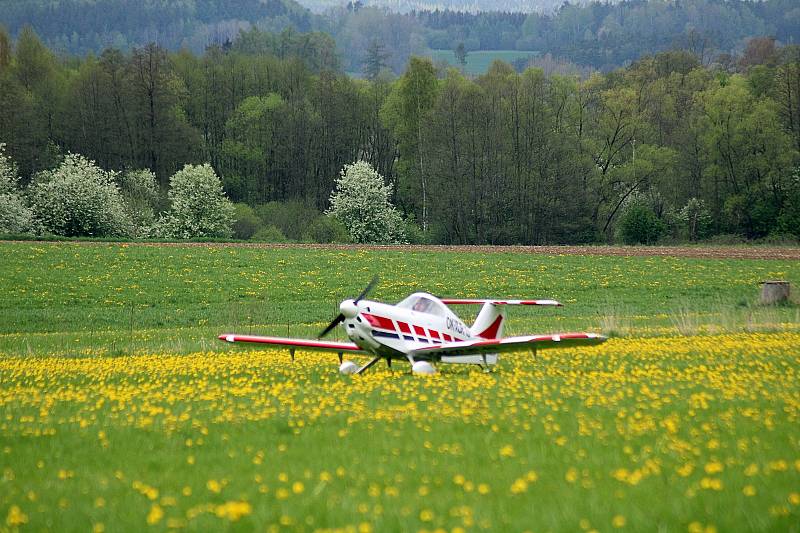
(602, 35)
(665, 148)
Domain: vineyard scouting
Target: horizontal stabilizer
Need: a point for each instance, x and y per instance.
(479, 301)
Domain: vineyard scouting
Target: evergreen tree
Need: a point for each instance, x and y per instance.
(375, 60)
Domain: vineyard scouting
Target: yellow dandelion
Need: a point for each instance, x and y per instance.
(155, 515)
(16, 517)
(507, 451)
(519, 486)
(214, 486)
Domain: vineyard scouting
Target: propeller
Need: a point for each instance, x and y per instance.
(349, 307)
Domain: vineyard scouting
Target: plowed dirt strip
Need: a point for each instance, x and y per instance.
(698, 252)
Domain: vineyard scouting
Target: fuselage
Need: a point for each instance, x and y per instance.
(393, 331)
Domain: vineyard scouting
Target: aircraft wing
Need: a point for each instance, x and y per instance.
(299, 344)
(452, 301)
(509, 344)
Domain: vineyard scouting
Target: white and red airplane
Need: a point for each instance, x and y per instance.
(422, 330)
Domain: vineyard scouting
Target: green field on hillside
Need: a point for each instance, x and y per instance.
(479, 61)
(122, 411)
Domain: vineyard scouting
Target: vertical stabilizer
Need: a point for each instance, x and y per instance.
(490, 320)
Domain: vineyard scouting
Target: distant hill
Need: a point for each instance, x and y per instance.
(471, 6)
(598, 35)
(79, 26)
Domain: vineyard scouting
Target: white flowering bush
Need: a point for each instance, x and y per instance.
(198, 205)
(361, 203)
(15, 216)
(78, 198)
(139, 191)
(695, 220)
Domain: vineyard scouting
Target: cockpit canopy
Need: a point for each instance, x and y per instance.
(422, 302)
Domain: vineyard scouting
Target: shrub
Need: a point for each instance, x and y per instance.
(198, 205)
(694, 220)
(247, 222)
(15, 216)
(639, 225)
(78, 198)
(269, 234)
(413, 231)
(139, 191)
(789, 218)
(325, 229)
(291, 217)
(360, 201)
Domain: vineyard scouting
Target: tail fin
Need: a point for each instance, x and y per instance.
(490, 320)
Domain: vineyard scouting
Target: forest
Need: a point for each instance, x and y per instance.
(602, 35)
(669, 146)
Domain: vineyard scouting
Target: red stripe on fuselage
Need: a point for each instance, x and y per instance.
(379, 321)
(404, 327)
(419, 331)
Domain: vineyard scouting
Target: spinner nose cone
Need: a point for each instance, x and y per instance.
(348, 308)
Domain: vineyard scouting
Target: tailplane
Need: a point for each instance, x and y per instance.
(489, 324)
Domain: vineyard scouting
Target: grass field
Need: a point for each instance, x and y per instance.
(478, 61)
(121, 410)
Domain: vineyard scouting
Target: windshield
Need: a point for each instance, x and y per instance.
(423, 304)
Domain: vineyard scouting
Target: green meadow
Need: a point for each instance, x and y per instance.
(479, 61)
(123, 412)
(61, 298)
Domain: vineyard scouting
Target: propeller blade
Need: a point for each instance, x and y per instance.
(340, 318)
(336, 321)
(368, 288)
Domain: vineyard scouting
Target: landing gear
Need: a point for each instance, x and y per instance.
(366, 367)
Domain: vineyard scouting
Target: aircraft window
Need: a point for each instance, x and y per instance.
(426, 305)
(422, 305)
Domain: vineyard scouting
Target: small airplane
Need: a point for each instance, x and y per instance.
(422, 330)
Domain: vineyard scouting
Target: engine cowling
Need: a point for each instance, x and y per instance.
(423, 368)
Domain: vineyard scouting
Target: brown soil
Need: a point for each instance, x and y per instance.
(704, 252)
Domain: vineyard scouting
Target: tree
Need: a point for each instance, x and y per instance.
(247, 222)
(375, 60)
(198, 205)
(404, 113)
(759, 51)
(639, 225)
(461, 54)
(5, 49)
(15, 217)
(78, 198)
(361, 202)
(695, 219)
(139, 191)
(252, 148)
(163, 137)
